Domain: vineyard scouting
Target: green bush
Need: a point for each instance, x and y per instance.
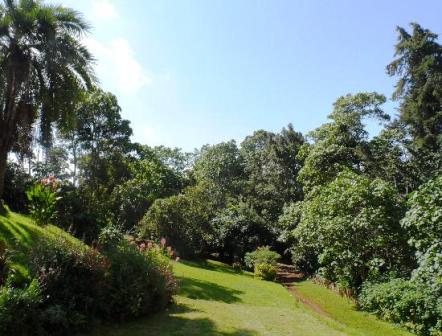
(20, 310)
(3, 263)
(265, 271)
(110, 237)
(423, 218)
(429, 270)
(405, 302)
(416, 303)
(151, 180)
(140, 282)
(42, 203)
(183, 219)
(423, 222)
(76, 286)
(73, 281)
(262, 255)
(349, 232)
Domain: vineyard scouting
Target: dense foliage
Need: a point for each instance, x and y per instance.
(416, 302)
(238, 229)
(70, 287)
(183, 220)
(262, 255)
(265, 271)
(17, 182)
(264, 262)
(404, 302)
(350, 231)
(44, 70)
(42, 201)
(334, 200)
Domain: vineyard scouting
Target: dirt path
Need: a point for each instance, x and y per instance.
(288, 276)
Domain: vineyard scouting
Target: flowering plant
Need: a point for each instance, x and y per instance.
(42, 200)
(162, 247)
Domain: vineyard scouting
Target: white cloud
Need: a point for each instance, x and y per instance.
(104, 10)
(116, 63)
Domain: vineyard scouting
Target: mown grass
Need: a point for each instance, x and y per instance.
(20, 234)
(344, 311)
(215, 300)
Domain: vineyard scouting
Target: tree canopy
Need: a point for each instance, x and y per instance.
(44, 69)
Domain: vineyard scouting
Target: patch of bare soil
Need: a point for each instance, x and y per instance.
(287, 276)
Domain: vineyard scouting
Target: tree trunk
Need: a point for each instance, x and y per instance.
(3, 160)
(7, 127)
(74, 155)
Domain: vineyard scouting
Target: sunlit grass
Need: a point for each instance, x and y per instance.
(343, 310)
(215, 300)
(20, 235)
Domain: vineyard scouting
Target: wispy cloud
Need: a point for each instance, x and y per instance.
(104, 10)
(117, 63)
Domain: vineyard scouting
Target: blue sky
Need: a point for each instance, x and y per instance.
(187, 73)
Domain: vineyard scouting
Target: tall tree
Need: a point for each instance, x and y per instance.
(43, 69)
(220, 165)
(272, 168)
(104, 150)
(340, 143)
(104, 139)
(419, 68)
(387, 157)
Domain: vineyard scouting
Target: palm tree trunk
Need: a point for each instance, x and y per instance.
(3, 159)
(7, 126)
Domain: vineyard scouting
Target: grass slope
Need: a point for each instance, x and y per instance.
(20, 234)
(214, 300)
(343, 311)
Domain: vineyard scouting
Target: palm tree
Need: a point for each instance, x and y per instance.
(44, 68)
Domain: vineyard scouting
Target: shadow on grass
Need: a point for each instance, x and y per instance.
(214, 266)
(13, 232)
(205, 290)
(171, 323)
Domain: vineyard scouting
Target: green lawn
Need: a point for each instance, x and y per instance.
(20, 234)
(214, 300)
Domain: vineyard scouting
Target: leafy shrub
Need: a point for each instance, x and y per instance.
(416, 303)
(20, 310)
(3, 264)
(288, 221)
(423, 219)
(140, 281)
(262, 255)
(265, 271)
(429, 270)
(76, 286)
(183, 220)
(110, 237)
(350, 229)
(73, 281)
(42, 203)
(408, 303)
(423, 222)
